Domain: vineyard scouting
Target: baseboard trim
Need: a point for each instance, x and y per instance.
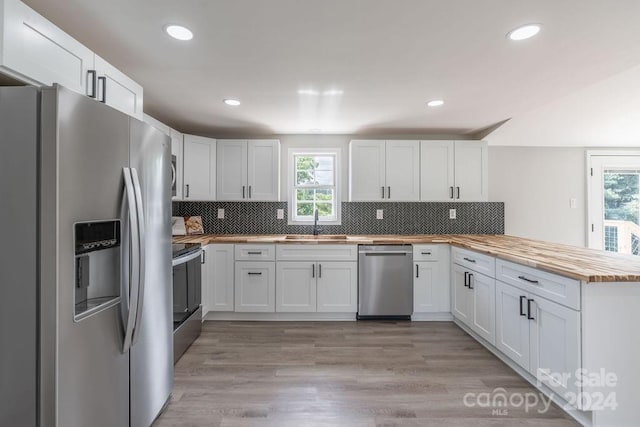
(281, 317)
(584, 418)
(431, 317)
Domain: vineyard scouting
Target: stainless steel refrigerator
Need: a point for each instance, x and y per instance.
(85, 267)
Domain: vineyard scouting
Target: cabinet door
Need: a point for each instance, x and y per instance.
(263, 170)
(555, 344)
(177, 150)
(117, 90)
(199, 168)
(338, 287)
(460, 295)
(255, 286)
(512, 326)
(484, 306)
(471, 161)
(367, 171)
(35, 50)
(232, 170)
(403, 170)
(436, 171)
(220, 268)
(296, 286)
(426, 287)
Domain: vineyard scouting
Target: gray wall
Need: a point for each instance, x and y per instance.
(536, 185)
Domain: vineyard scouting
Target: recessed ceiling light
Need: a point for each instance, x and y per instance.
(524, 32)
(232, 102)
(435, 103)
(333, 92)
(308, 92)
(179, 32)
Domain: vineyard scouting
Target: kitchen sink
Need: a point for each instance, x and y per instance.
(318, 237)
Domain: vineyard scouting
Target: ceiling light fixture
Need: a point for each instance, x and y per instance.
(524, 32)
(308, 92)
(232, 102)
(333, 92)
(179, 32)
(435, 103)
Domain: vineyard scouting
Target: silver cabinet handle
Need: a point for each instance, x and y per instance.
(383, 192)
(469, 259)
(451, 190)
(458, 190)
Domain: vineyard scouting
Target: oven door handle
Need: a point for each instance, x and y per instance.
(186, 258)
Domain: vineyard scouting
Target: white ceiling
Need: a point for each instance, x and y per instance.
(387, 56)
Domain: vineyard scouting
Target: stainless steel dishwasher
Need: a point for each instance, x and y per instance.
(385, 282)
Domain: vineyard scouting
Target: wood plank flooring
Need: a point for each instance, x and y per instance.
(342, 374)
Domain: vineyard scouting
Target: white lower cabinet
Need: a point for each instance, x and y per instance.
(218, 286)
(295, 286)
(512, 324)
(337, 288)
(460, 296)
(483, 300)
(431, 289)
(255, 286)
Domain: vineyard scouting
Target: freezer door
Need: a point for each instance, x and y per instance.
(152, 350)
(84, 374)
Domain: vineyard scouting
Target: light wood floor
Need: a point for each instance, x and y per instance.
(342, 374)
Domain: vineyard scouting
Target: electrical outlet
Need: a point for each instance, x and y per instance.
(573, 203)
(220, 213)
(452, 214)
(280, 214)
(379, 214)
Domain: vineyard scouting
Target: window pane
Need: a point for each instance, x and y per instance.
(305, 195)
(304, 209)
(304, 178)
(324, 195)
(324, 163)
(325, 209)
(324, 177)
(305, 162)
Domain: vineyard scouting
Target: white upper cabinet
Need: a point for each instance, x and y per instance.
(199, 168)
(384, 170)
(471, 160)
(437, 180)
(454, 171)
(248, 170)
(34, 50)
(117, 90)
(177, 150)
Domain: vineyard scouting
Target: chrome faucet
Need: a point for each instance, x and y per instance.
(316, 231)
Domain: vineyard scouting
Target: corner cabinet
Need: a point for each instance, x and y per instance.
(199, 168)
(248, 170)
(34, 50)
(384, 171)
(454, 171)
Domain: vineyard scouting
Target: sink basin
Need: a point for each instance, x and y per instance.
(319, 237)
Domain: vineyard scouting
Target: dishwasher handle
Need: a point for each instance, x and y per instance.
(376, 253)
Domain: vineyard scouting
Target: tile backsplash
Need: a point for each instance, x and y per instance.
(357, 218)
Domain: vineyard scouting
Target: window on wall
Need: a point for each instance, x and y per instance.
(314, 175)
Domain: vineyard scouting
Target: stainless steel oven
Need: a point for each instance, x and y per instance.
(187, 282)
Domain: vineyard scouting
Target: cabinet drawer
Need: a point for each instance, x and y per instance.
(484, 264)
(551, 286)
(286, 252)
(255, 252)
(427, 252)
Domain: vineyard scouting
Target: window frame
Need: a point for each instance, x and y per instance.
(291, 184)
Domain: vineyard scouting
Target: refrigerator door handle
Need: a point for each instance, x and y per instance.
(132, 281)
(141, 252)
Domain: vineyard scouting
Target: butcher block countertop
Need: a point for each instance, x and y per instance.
(589, 265)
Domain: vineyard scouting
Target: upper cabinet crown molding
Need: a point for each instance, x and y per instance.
(35, 51)
(384, 171)
(248, 170)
